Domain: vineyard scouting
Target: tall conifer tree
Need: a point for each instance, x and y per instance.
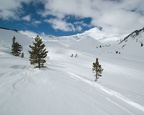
(16, 48)
(38, 53)
(97, 69)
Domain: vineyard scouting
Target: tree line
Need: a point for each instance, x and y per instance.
(37, 53)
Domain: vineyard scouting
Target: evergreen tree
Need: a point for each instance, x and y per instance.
(16, 48)
(14, 39)
(97, 69)
(38, 53)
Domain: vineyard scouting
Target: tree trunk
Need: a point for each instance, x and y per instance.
(39, 62)
(96, 76)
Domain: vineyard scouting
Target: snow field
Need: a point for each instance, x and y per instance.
(67, 86)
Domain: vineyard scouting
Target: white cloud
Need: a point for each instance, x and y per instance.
(7, 8)
(61, 8)
(59, 24)
(27, 18)
(10, 8)
(82, 23)
(8, 14)
(119, 21)
(78, 28)
(114, 16)
(36, 22)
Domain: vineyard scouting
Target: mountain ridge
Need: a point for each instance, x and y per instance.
(133, 34)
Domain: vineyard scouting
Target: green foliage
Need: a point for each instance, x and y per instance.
(16, 48)
(38, 53)
(97, 69)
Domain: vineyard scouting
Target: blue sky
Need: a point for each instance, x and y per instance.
(67, 17)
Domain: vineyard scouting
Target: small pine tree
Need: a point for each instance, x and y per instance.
(141, 44)
(16, 47)
(97, 69)
(14, 39)
(38, 53)
(22, 55)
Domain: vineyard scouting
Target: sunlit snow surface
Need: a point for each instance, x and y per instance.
(67, 86)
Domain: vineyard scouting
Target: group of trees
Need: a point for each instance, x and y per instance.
(38, 54)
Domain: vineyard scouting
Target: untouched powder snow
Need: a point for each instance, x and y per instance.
(67, 86)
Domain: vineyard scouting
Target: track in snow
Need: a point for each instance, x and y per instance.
(110, 93)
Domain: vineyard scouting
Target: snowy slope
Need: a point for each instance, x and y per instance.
(63, 41)
(131, 45)
(6, 40)
(112, 39)
(7, 35)
(87, 44)
(67, 86)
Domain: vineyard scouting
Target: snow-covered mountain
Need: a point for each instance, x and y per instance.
(94, 33)
(98, 35)
(127, 44)
(86, 44)
(67, 86)
(133, 43)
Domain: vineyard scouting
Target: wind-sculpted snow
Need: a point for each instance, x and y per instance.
(67, 86)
